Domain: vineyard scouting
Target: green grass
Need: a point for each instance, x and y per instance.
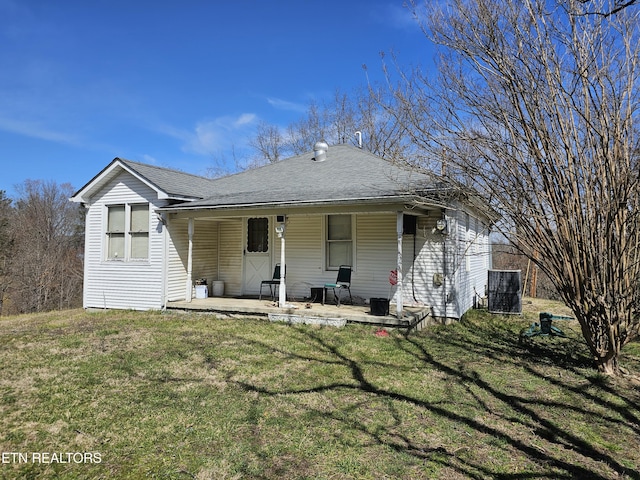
(171, 396)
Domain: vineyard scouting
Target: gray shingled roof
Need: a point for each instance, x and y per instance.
(347, 174)
(173, 182)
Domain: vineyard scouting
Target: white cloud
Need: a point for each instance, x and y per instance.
(281, 104)
(35, 130)
(245, 119)
(395, 15)
(218, 134)
(146, 158)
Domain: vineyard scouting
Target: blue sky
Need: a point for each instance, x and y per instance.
(181, 84)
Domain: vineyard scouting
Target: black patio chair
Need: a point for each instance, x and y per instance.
(274, 283)
(343, 281)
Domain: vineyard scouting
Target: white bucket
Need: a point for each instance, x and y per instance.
(218, 288)
(202, 291)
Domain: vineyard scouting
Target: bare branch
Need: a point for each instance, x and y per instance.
(535, 106)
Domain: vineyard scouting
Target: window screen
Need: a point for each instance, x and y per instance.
(140, 231)
(115, 232)
(133, 219)
(339, 241)
(258, 235)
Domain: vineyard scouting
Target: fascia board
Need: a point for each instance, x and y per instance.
(96, 183)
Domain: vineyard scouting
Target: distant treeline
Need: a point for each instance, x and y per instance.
(41, 249)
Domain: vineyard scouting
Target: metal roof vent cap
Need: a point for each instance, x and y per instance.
(320, 151)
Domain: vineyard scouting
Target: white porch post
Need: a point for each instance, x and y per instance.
(400, 290)
(282, 298)
(189, 285)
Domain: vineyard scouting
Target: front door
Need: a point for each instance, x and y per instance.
(257, 254)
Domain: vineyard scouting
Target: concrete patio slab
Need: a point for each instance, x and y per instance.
(412, 317)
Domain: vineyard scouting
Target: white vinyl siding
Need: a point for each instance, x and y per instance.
(177, 259)
(468, 241)
(218, 254)
(376, 255)
(120, 284)
(470, 278)
(230, 256)
(304, 256)
(205, 255)
(422, 260)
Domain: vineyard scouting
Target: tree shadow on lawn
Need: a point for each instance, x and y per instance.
(546, 356)
(529, 419)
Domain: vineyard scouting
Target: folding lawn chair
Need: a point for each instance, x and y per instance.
(274, 283)
(343, 281)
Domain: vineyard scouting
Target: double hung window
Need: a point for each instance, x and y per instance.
(139, 232)
(128, 232)
(339, 241)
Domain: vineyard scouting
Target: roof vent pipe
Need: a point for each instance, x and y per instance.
(320, 151)
(359, 137)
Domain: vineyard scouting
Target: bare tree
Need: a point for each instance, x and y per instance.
(303, 134)
(222, 165)
(6, 247)
(268, 142)
(535, 105)
(608, 8)
(342, 117)
(384, 133)
(47, 230)
(336, 122)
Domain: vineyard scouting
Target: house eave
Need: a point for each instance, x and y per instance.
(346, 206)
(85, 194)
(399, 201)
(96, 183)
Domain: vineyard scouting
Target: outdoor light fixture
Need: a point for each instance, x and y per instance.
(441, 225)
(280, 230)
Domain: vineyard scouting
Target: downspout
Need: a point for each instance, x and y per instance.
(400, 289)
(189, 284)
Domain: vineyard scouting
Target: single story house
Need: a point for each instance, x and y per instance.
(152, 232)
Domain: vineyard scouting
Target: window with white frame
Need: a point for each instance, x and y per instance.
(115, 232)
(128, 232)
(139, 231)
(339, 241)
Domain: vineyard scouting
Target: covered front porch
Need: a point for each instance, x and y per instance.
(240, 250)
(305, 312)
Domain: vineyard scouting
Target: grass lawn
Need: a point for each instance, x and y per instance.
(173, 396)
